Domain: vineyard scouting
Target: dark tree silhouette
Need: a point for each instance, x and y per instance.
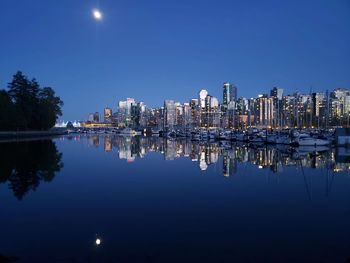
(7, 110)
(49, 108)
(25, 164)
(26, 106)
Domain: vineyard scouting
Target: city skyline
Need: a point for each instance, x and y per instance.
(157, 51)
(273, 109)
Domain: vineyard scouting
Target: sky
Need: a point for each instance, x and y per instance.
(153, 50)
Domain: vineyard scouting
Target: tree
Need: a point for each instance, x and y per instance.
(32, 107)
(49, 107)
(24, 94)
(7, 111)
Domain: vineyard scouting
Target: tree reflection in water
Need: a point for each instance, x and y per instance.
(23, 165)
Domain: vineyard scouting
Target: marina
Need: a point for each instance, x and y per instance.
(294, 137)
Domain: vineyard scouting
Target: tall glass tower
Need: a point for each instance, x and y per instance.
(229, 93)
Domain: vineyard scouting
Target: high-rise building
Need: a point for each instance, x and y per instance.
(169, 114)
(242, 111)
(135, 115)
(242, 106)
(124, 112)
(229, 94)
(107, 115)
(304, 110)
(211, 113)
(96, 117)
(276, 94)
(202, 95)
(288, 112)
(201, 105)
(229, 105)
(347, 105)
(195, 113)
(319, 109)
(143, 114)
(179, 115)
(264, 109)
(91, 117)
(338, 106)
(187, 115)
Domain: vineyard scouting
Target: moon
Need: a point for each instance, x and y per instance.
(97, 14)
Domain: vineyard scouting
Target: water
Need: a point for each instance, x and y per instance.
(115, 199)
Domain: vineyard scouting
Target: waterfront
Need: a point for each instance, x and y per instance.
(150, 199)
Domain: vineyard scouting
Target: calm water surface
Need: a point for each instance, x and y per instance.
(115, 199)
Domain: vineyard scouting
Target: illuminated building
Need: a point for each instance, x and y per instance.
(169, 114)
(107, 115)
(229, 94)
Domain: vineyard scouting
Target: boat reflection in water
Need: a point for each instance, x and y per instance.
(273, 157)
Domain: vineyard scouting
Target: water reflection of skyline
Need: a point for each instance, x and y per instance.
(262, 191)
(274, 158)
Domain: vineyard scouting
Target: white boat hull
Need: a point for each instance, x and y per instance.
(313, 142)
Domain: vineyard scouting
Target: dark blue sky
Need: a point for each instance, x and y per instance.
(155, 50)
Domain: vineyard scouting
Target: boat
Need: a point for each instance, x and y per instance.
(204, 135)
(155, 131)
(225, 135)
(256, 139)
(129, 131)
(241, 137)
(283, 139)
(305, 140)
(171, 134)
(271, 138)
(195, 136)
(180, 134)
(212, 134)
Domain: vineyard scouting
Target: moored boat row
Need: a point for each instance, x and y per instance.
(253, 136)
(286, 137)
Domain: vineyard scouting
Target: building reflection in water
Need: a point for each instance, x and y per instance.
(108, 144)
(275, 158)
(93, 140)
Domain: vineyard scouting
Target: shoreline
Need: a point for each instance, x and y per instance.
(29, 134)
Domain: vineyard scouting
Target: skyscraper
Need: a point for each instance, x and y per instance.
(195, 114)
(229, 94)
(202, 112)
(91, 117)
(202, 95)
(229, 105)
(107, 115)
(319, 109)
(264, 109)
(169, 114)
(276, 95)
(96, 117)
(124, 111)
